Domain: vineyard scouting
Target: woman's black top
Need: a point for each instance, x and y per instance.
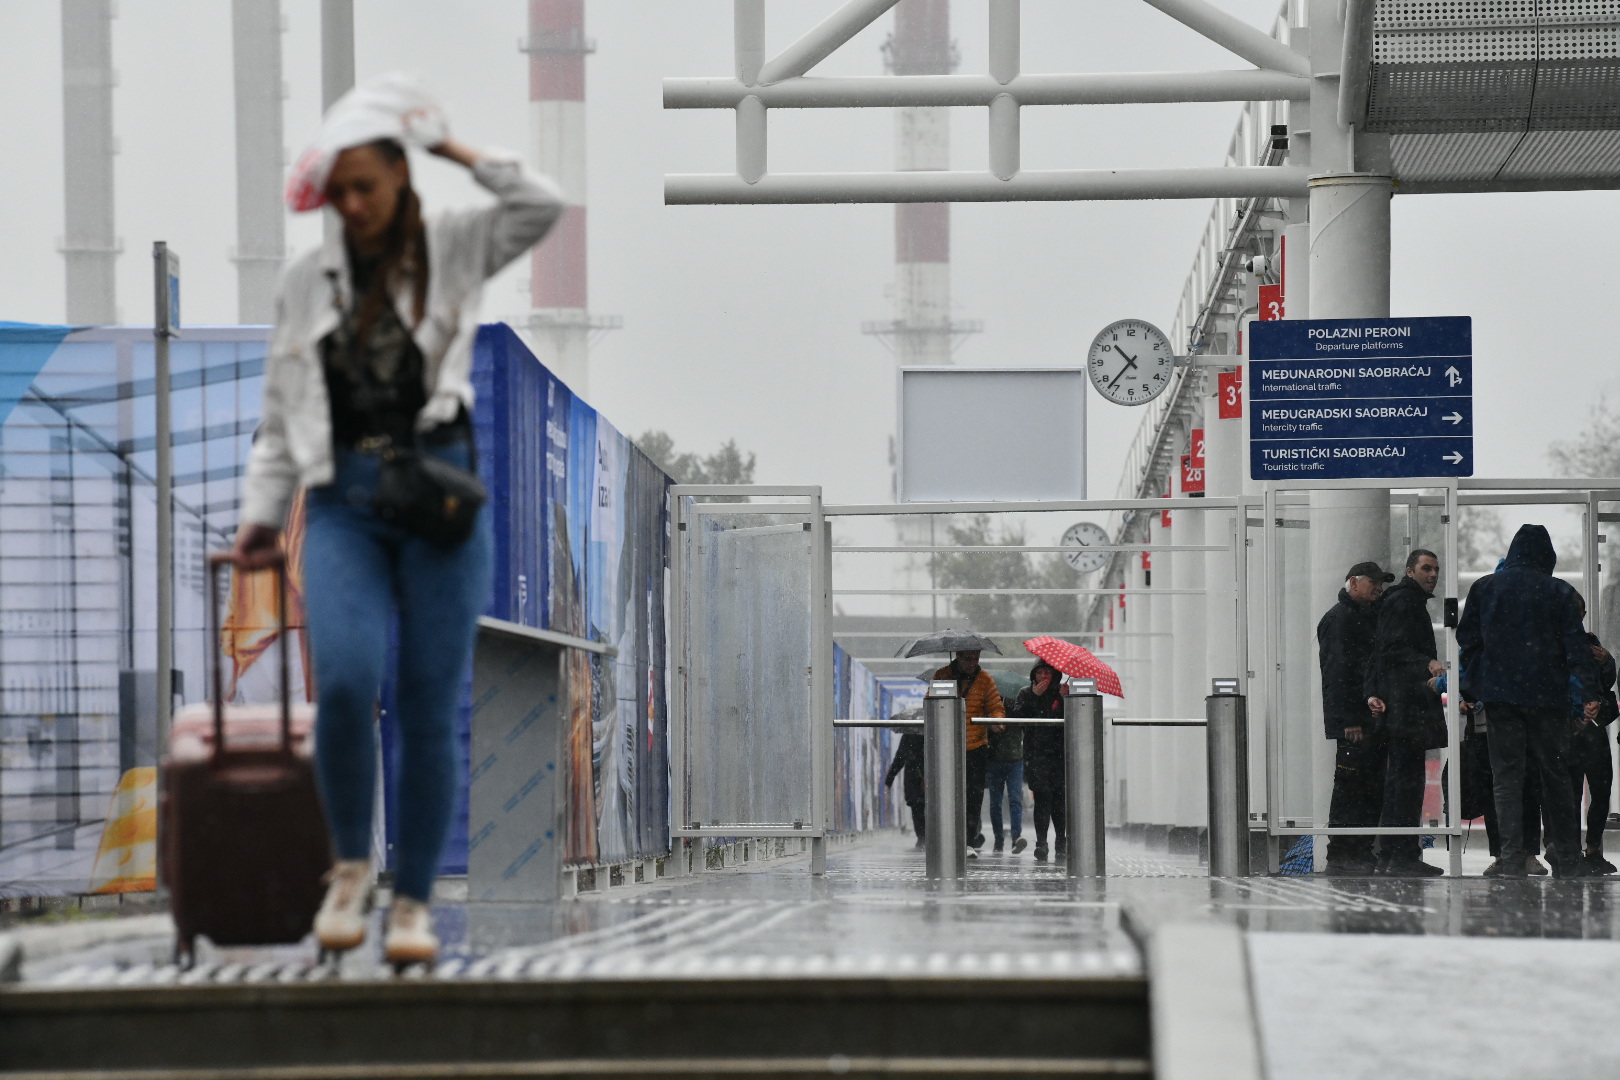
(375, 386)
(1043, 743)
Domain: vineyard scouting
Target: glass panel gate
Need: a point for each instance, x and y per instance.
(752, 722)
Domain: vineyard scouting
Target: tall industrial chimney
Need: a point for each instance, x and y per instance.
(261, 243)
(89, 244)
(922, 331)
(560, 323)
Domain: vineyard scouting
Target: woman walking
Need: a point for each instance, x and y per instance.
(366, 405)
(1043, 753)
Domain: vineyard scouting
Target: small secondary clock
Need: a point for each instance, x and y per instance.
(1084, 538)
(1130, 362)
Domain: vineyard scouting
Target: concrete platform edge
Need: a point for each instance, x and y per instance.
(1203, 1014)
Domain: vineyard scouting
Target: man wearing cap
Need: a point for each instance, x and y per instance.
(1400, 692)
(1344, 640)
(980, 698)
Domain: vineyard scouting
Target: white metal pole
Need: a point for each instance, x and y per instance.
(89, 239)
(1138, 695)
(1057, 185)
(337, 50)
(1005, 137)
(163, 451)
(824, 40)
(1233, 34)
(1355, 64)
(337, 66)
(1189, 679)
(1223, 476)
(940, 89)
(749, 29)
(260, 219)
(1166, 650)
(1347, 272)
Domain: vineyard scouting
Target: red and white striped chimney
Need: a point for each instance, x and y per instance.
(560, 323)
(921, 45)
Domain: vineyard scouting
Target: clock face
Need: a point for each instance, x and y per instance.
(1130, 362)
(1085, 537)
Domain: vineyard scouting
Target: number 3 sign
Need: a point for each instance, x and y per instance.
(1229, 388)
(1271, 303)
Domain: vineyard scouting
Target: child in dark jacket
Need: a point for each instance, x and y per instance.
(909, 756)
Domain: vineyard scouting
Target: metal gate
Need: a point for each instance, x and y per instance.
(750, 738)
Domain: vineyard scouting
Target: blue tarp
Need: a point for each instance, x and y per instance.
(25, 349)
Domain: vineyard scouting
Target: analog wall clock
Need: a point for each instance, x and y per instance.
(1083, 539)
(1130, 362)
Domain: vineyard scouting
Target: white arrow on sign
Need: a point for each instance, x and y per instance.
(1454, 457)
(1455, 418)
(1453, 376)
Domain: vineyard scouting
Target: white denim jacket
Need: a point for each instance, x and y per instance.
(293, 445)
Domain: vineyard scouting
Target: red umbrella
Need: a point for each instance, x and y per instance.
(1076, 660)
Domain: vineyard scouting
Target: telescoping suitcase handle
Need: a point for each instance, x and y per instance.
(215, 561)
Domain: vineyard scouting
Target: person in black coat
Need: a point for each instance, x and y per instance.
(1590, 768)
(909, 756)
(1043, 754)
(1522, 642)
(1344, 638)
(1398, 691)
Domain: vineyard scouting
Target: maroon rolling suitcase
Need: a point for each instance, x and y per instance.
(243, 839)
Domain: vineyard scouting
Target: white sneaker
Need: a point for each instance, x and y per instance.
(340, 925)
(410, 938)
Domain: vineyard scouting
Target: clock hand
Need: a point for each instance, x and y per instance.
(1128, 357)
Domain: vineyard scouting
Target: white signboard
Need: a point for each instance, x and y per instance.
(991, 434)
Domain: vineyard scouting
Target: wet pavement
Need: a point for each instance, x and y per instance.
(874, 914)
(1351, 977)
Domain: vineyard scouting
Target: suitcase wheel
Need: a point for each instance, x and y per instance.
(185, 952)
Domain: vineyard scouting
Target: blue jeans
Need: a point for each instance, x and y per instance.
(360, 573)
(1008, 777)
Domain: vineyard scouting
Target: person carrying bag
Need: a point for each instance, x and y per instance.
(367, 405)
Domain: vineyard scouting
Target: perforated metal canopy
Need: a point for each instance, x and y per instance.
(1498, 92)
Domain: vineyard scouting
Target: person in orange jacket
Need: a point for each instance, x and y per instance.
(980, 698)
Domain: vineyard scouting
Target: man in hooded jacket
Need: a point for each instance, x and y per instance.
(1344, 640)
(1522, 642)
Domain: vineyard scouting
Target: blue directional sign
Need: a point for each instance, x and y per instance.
(1337, 399)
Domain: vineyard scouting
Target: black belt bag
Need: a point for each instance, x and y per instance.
(428, 497)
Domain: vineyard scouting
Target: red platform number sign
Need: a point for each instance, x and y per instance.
(1271, 303)
(1229, 388)
(1192, 466)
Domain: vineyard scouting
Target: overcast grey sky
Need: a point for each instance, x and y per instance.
(745, 321)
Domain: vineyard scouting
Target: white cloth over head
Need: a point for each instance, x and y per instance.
(392, 106)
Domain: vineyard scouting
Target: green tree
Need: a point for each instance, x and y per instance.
(1595, 452)
(1002, 611)
(727, 465)
(1481, 538)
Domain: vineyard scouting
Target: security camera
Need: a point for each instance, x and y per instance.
(1257, 265)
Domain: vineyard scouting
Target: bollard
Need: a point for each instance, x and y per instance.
(1226, 712)
(945, 775)
(1083, 778)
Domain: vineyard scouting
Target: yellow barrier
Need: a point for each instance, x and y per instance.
(127, 858)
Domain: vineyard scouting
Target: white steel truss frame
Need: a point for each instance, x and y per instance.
(758, 85)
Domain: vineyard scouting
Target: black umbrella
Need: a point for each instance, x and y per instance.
(947, 641)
